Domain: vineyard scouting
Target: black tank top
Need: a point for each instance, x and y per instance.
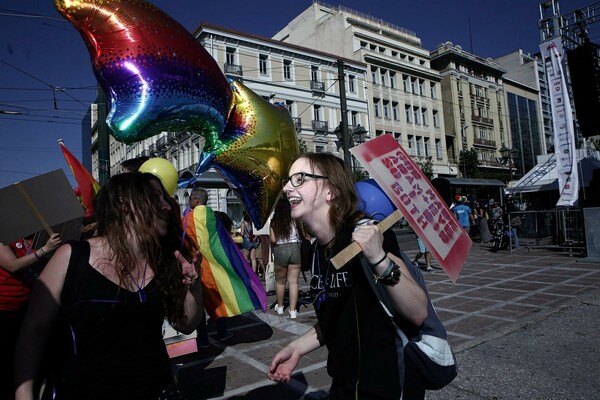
(111, 342)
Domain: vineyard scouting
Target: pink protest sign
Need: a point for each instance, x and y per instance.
(406, 186)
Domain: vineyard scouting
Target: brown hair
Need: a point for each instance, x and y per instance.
(281, 223)
(343, 211)
(127, 209)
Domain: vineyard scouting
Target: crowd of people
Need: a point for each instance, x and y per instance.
(492, 223)
(93, 325)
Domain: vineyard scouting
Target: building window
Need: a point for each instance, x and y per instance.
(422, 87)
(354, 118)
(411, 145)
(406, 83)
(319, 148)
(374, 75)
(408, 113)
(317, 113)
(377, 106)
(378, 132)
(262, 64)
(395, 111)
(393, 83)
(424, 117)
(426, 147)
(413, 85)
(386, 109)
(419, 140)
(287, 70)
(433, 88)
(438, 149)
(416, 115)
(314, 73)
(230, 56)
(352, 84)
(383, 74)
(436, 119)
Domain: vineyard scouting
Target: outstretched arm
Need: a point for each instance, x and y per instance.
(12, 264)
(286, 360)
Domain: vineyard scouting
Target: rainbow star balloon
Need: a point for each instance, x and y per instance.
(159, 78)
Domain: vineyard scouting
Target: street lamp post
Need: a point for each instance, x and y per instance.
(508, 157)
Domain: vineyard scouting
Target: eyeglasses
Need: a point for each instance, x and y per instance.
(298, 178)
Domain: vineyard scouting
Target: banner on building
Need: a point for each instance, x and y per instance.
(423, 208)
(562, 115)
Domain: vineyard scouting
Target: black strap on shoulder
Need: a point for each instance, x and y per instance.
(80, 255)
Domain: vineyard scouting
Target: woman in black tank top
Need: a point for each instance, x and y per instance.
(108, 297)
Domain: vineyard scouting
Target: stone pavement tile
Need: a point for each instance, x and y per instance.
(496, 294)
(514, 311)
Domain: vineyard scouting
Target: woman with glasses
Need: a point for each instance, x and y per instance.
(350, 321)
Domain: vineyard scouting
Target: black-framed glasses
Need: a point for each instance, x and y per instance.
(298, 178)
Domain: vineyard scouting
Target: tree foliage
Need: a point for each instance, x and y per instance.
(468, 163)
(425, 164)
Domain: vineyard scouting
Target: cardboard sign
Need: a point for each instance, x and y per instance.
(406, 186)
(44, 203)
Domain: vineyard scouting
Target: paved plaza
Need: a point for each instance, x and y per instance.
(520, 325)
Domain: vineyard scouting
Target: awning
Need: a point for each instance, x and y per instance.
(544, 175)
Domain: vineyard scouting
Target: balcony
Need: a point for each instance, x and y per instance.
(317, 87)
(233, 69)
(484, 142)
(320, 126)
(482, 120)
(161, 143)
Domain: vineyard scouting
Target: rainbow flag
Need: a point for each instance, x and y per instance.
(88, 186)
(230, 286)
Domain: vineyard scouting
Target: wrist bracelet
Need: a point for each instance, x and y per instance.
(387, 271)
(36, 255)
(43, 252)
(380, 261)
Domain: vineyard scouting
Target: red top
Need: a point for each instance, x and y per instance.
(15, 288)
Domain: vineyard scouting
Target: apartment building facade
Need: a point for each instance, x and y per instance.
(404, 92)
(474, 105)
(528, 70)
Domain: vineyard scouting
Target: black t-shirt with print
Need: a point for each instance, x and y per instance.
(373, 358)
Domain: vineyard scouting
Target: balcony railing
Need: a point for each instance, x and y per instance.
(484, 142)
(482, 120)
(320, 126)
(317, 86)
(233, 69)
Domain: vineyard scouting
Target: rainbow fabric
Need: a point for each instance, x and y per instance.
(230, 286)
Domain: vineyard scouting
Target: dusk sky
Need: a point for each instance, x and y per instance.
(46, 75)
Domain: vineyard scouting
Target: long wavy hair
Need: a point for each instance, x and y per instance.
(343, 211)
(281, 223)
(127, 208)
